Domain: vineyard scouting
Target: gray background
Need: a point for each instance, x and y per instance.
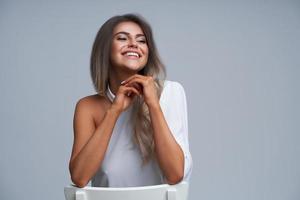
(239, 65)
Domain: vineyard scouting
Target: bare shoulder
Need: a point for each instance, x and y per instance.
(89, 102)
(92, 106)
(84, 122)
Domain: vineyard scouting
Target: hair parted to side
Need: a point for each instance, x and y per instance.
(99, 68)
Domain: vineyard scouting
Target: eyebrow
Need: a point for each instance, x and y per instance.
(126, 33)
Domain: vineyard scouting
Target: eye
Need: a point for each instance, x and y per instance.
(142, 41)
(121, 38)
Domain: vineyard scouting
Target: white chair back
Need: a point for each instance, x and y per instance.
(153, 192)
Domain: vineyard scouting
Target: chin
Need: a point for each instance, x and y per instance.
(134, 68)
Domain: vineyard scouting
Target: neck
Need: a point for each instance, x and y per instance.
(115, 79)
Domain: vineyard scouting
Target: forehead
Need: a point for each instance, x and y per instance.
(129, 27)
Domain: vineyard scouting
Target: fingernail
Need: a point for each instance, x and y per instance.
(122, 82)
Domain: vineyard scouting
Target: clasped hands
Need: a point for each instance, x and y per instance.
(136, 85)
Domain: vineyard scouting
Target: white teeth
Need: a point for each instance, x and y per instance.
(132, 54)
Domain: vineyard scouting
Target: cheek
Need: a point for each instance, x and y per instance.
(146, 52)
(113, 47)
(114, 50)
(146, 57)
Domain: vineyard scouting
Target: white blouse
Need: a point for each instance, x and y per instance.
(122, 164)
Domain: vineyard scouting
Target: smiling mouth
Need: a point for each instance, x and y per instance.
(130, 54)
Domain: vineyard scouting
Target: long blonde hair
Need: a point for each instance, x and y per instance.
(99, 68)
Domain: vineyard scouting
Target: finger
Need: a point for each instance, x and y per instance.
(132, 77)
(129, 90)
(136, 80)
(135, 85)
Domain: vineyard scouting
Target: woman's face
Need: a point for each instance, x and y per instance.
(129, 48)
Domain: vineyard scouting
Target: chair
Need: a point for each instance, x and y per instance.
(153, 192)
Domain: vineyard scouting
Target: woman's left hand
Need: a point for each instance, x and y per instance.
(146, 86)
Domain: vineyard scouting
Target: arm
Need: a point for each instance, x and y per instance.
(90, 143)
(169, 154)
(170, 127)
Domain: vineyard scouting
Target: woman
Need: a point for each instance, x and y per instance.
(133, 132)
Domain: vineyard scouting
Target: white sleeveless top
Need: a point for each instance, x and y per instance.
(122, 164)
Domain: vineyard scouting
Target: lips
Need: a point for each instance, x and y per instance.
(132, 54)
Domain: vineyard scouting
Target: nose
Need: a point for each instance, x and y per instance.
(132, 43)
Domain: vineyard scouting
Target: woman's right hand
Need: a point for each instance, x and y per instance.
(124, 98)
